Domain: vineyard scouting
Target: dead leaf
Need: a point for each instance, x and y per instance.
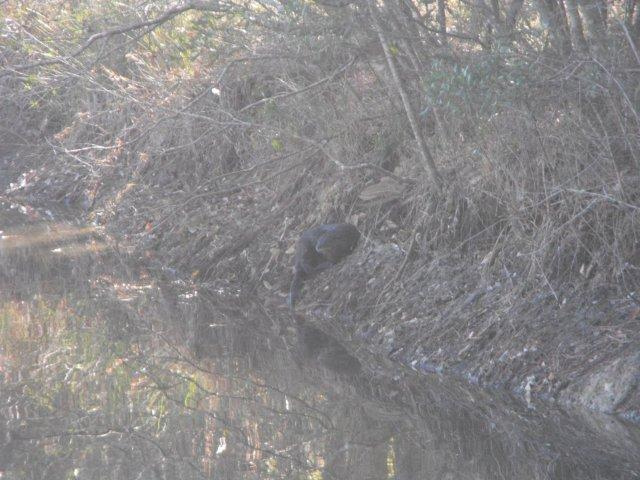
(387, 188)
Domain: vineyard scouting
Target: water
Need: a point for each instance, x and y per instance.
(112, 368)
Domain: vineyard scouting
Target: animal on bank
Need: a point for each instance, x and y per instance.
(320, 248)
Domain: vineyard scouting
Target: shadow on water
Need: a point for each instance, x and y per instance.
(107, 368)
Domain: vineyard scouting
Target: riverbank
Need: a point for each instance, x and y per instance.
(492, 173)
(70, 298)
(438, 312)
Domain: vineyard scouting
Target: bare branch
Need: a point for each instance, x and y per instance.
(411, 115)
(165, 17)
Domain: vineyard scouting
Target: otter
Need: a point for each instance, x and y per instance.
(318, 249)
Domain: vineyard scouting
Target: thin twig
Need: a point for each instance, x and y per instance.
(302, 90)
(165, 17)
(608, 198)
(377, 168)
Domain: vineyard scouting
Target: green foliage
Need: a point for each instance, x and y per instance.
(277, 144)
(190, 399)
(481, 88)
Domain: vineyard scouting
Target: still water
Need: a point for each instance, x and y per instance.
(111, 368)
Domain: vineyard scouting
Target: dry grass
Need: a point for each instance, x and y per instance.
(216, 174)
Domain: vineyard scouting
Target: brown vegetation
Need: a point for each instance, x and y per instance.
(505, 136)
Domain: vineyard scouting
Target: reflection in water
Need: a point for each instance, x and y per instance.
(102, 369)
(43, 234)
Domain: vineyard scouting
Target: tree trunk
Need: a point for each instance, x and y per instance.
(634, 31)
(554, 20)
(425, 153)
(629, 8)
(592, 11)
(575, 26)
(512, 14)
(442, 21)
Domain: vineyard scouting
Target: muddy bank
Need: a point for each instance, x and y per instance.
(438, 313)
(298, 385)
(574, 347)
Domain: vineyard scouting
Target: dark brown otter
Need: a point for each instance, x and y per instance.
(319, 248)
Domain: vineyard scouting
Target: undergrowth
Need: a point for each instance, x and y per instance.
(212, 161)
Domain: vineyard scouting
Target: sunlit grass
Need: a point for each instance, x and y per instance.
(77, 249)
(40, 235)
